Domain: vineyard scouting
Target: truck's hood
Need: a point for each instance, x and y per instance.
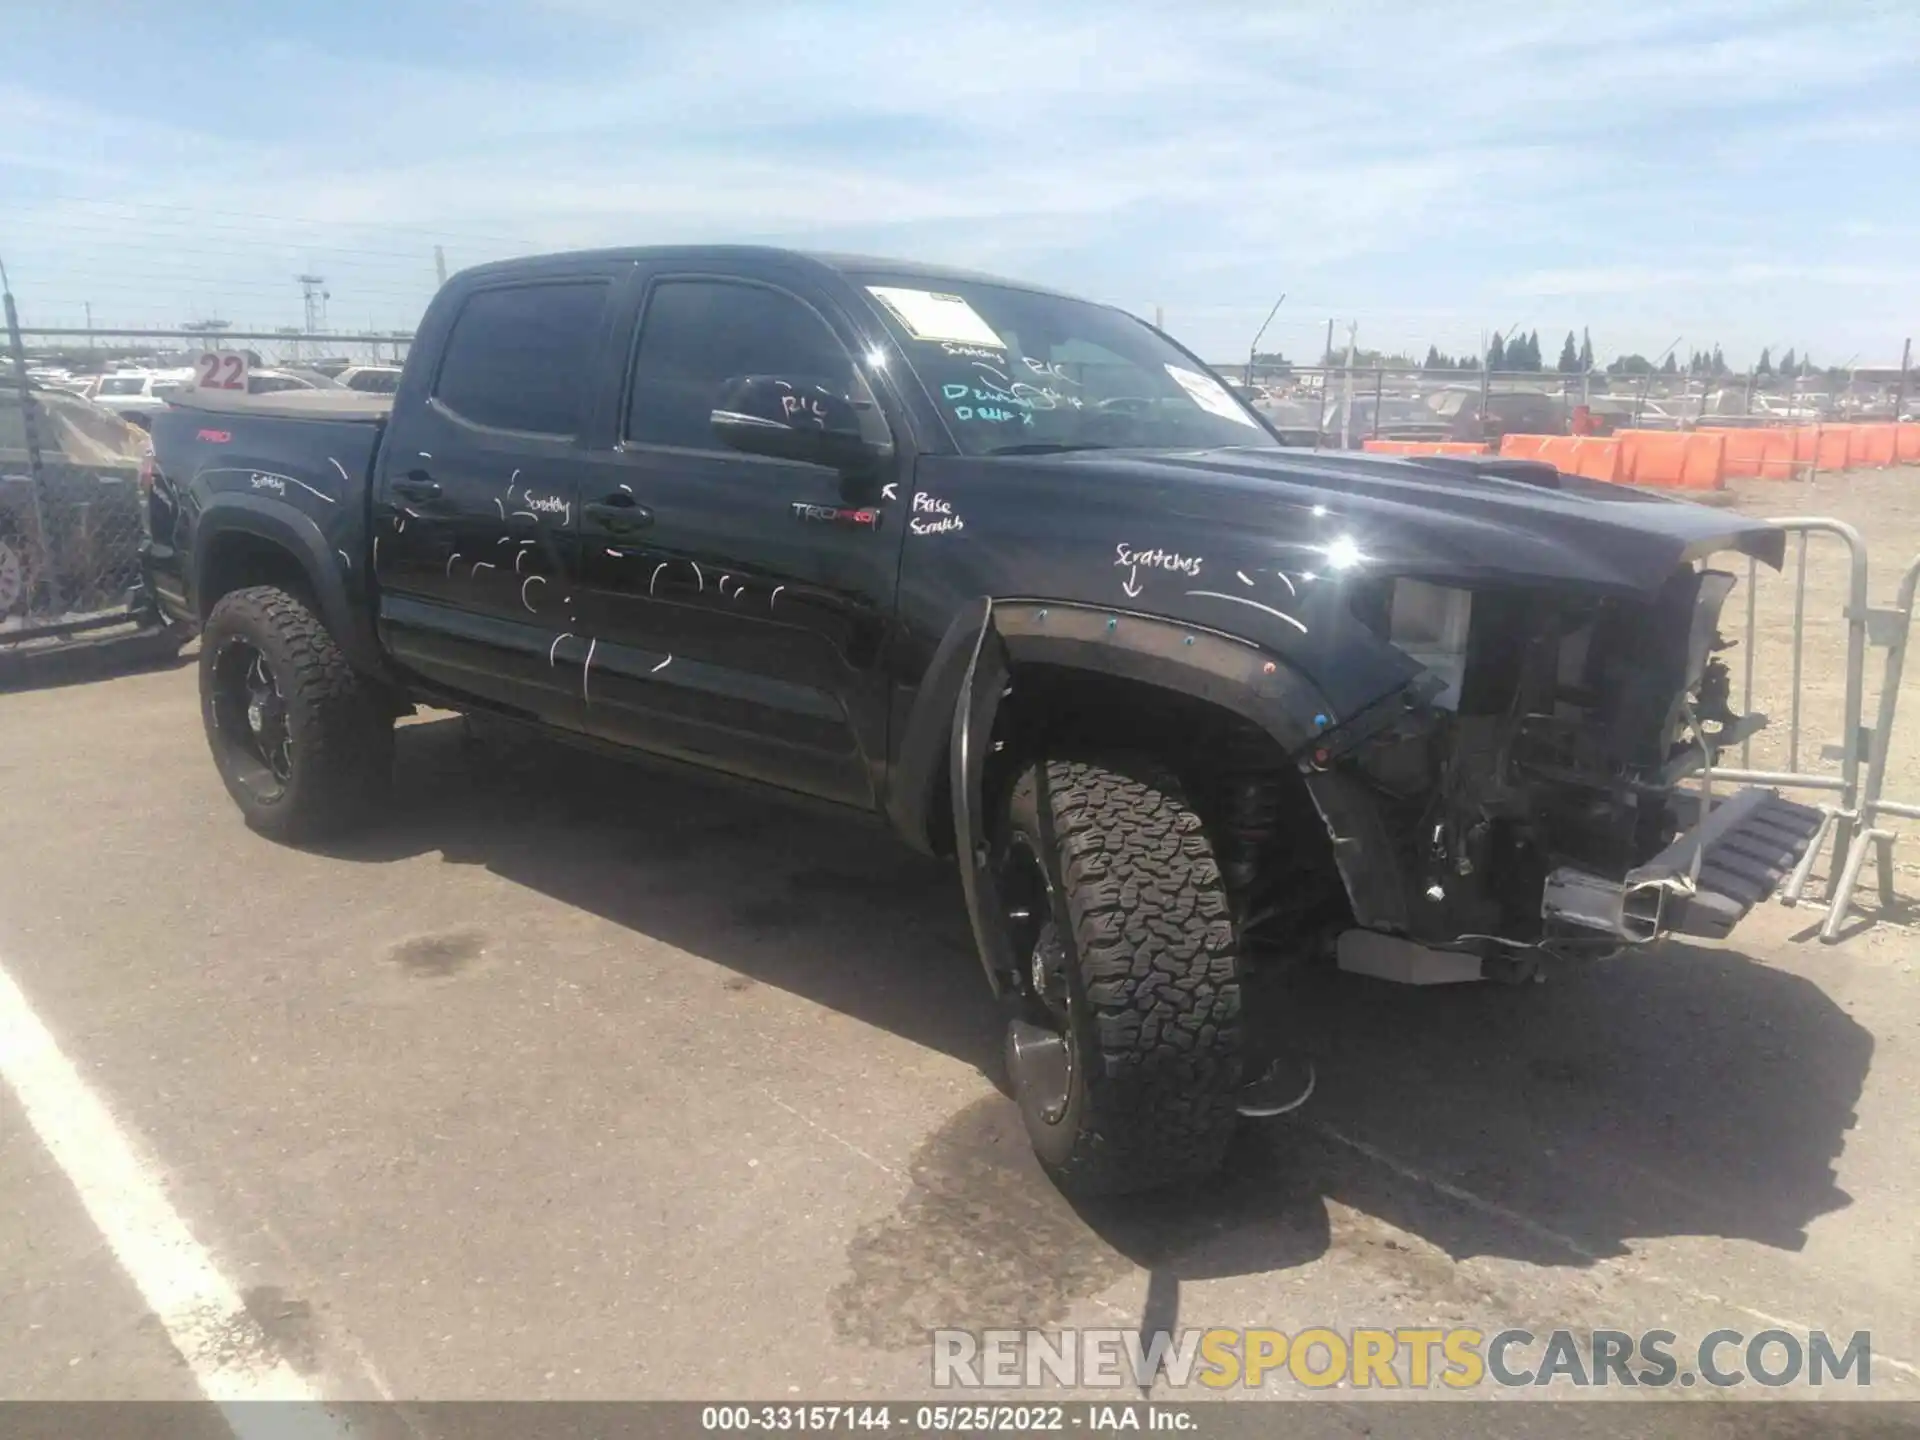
(1445, 519)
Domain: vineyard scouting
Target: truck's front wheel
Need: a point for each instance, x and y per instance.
(1126, 1057)
(302, 742)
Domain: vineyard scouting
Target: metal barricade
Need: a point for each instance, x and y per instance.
(1839, 817)
(1889, 627)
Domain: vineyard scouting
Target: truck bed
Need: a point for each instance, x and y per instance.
(289, 404)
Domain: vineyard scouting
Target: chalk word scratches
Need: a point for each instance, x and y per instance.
(450, 559)
(341, 468)
(478, 567)
(655, 579)
(527, 585)
(347, 560)
(933, 516)
(661, 666)
(554, 648)
(971, 352)
(274, 482)
(890, 491)
(1243, 600)
(549, 505)
(804, 406)
(1131, 560)
(586, 671)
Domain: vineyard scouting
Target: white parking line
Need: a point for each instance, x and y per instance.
(232, 1359)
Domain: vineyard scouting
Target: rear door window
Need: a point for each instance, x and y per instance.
(522, 357)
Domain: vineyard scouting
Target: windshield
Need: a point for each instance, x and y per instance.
(1016, 371)
(123, 385)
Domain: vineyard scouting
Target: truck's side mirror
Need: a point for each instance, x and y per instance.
(796, 419)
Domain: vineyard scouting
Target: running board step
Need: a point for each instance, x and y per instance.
(1749, 844)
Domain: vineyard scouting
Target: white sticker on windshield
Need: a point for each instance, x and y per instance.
(1210, 395)
(930, 315)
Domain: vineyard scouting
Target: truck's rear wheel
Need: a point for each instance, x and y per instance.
(1127, 1055)
(303, 744)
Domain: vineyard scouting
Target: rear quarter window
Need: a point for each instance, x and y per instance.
(522, 357)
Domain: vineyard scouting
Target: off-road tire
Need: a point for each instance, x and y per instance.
(341, 729)
(1152, 970)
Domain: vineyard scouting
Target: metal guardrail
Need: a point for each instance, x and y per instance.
(1838, 818)
(1889, 627)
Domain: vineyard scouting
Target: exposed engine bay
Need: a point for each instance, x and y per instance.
(1539, 762)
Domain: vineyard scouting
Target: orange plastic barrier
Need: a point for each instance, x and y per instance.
(1597, 458)
(1873, 445)
(1757, 453)
(1694, 460)
(1526, 447)
(1423, 447)
(1833, 447)
(1907, 443)
(1806, 441)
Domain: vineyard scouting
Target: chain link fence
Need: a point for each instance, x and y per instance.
(1343, 407)
(70, 527)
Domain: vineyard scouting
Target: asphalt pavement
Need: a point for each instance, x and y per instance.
(581, 1080)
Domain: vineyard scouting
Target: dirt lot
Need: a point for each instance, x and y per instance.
(581, 1081)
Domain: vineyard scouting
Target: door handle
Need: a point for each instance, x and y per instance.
(417, 485)
(619, 516)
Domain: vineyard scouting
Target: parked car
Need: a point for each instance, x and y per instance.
(1296, 423)
(1508, 412)
(1185, 706)
(90, 463)
(137, 395)
(371, 379)
(1400, 418)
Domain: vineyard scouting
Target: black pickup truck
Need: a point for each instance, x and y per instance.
(1018, 574)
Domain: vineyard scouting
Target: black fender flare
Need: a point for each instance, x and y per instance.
(954, 717)
(303, 540)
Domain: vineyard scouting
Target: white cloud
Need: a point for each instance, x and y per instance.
(1415, 166)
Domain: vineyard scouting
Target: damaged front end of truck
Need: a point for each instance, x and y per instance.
(1544, 779)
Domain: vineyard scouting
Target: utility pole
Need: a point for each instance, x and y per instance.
(1646, 382)
(1486, 380)
(1254, 348)
(440, 265)
(1346, 388)
(1159, 318)
(1900, 385)
(89, 307)
(1326, 356)
(314, 298)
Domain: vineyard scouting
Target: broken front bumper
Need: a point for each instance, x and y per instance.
(1702, 884)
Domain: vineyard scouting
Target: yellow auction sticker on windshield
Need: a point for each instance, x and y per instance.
(1210, 395)
(931, 315)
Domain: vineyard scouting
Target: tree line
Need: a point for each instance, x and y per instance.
(1520, 354)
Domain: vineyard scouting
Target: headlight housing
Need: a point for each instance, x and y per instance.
(1429, 624)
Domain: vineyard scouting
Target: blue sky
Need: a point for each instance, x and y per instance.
(1742, 174)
